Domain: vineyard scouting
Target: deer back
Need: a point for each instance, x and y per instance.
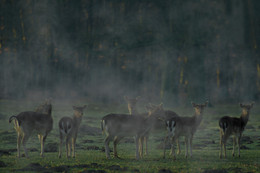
(66, 125)
(122, 124)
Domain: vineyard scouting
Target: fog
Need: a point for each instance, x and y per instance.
(164, 51)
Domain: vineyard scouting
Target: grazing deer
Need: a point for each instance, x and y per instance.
(68, 128)
(118, 126)
(26, 122)
(184, 126)
(233, 126)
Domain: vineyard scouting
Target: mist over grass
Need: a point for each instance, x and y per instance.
(173, 52)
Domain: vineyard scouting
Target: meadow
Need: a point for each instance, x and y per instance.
(90, 155)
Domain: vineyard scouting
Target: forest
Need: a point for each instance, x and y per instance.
(173, 51)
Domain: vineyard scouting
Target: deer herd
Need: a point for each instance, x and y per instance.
(135, 124)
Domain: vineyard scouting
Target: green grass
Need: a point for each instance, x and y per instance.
(205, 149)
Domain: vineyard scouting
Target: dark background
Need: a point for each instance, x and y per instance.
(172, 51)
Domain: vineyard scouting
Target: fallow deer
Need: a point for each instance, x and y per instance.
(159, 125)
(118, 126)
(131, 104)
(184, 126)
(26, 122)
(233, 126)
(68, 128)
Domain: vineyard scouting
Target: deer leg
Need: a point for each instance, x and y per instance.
(191, 146)
(221, 145)
(238, 143)
(178, 145)
(24, 140)
(42, 144)
(137, 139)
(67, 146)
(61, 142)
(19, 137)
(70, 144)
(164, 145)
(186, 147)
(116, 141)
(234, 146)
(141, 144)
(41, 139)
(73, 145)
(225, 137)
(107, 140)
(146, 144)
(172, 147)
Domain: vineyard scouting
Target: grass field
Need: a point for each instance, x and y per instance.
(90, 156)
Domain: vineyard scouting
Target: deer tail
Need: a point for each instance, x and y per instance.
(223, 125)
(103, 125)
(11, 118)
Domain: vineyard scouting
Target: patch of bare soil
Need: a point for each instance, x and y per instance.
(93, 171)
(36, 167)
(117, 168)
(215, 171)
(164, 171)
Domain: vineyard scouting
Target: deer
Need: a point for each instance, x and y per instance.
(158, 126)
(184, 126)
(68, 128)
(233, 126)
(27, 122)
(118, 126)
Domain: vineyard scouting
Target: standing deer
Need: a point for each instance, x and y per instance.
(159, 125)
(131, 104)
(233, 126)
(118, 126)
(184, 126)
(68, 128)
(26, 122)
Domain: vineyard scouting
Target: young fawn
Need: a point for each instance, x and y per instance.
(26, 122)
(184, 126)
(118, 126)
(68, 128)
(233, 126)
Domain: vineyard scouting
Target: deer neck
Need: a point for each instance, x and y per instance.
(244, 118)
(77, 120)
(198, 118)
